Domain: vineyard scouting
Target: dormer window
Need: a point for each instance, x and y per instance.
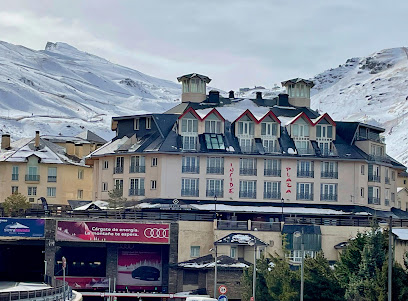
(246, 135)
(300, 130)
(136, 124)
(189, 133)
(213, 126)
(269, 132)
(148, 123)
(324, 137)
(324, 131)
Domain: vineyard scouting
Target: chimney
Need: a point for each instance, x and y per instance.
(79, 150)
(70, 148)
(214, 96)
(5, 141)
(283, 100)
(258, 95)
(37, 139)
(231, 95)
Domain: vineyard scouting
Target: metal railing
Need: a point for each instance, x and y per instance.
(305, 151)
(247, 171)
(272, 172)
(247, 194)
(118, 169)
(266, 226)
(14, 177)
(374, 178)
(329, 174)
(374, 200)
(328, 197)
(137, 169)
(136, 192)
(304, 196)
(52, 179)
(215, 170)
(212, 193)
(272, 195)
(32, 178)
(232, 225)
(305, 173)
(189, 192)
(192, 169)
(387, 180)
(53, 293)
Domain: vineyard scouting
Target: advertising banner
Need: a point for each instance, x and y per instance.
(21, 227)
(112, 232)
(86, 282)
(140, 267)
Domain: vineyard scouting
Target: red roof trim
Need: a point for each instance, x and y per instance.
(247, 112)
(303, 114)
(327, 117)
(190, 109)
(270, 113)
(216, 113)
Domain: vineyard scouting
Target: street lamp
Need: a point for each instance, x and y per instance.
(298, 234)
(390, 255)
(282, 201)
(253, 243)
(215, 248)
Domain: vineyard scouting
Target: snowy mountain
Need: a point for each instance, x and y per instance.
(63, 90)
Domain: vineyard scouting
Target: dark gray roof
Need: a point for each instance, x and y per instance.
(192, 75)
(298, 80)
(240, 239)
(222, 261)
(91, 137)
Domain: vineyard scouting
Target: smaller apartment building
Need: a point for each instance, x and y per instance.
(40, 168)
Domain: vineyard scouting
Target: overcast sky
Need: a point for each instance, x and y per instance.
(236, 43)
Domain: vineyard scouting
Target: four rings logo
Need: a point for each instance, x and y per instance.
(156, 233)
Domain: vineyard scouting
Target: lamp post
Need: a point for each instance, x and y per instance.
(298, 234)
(282, 201)
(390, 255)
(215, 247)
(253, 242)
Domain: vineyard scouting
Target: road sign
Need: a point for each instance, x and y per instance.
(222, 289)
(64, 262)
(252, 299)
(222, 298)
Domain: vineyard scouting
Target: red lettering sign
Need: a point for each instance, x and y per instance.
(231, 184)
(288, 180)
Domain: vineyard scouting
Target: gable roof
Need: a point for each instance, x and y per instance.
(240, 239)
(271, 114)
(325, 116)
(309, 83)
(304, 116)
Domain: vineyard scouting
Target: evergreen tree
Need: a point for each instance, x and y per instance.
(15, 204)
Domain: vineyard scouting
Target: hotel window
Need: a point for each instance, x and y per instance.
(270, 145)
(324, 131)
(51, 191)
(80, 194)
(154, 161)
(189, 133)
(300, 130)
(247, 189)
(136, 124)
(393, 176)
(303, 147)
(234, 252)
(272, 167)
(215, 165)
(272, 190)
(304, 191)
(190, 164)
(245, 135)
(52, 174)
(387, 194)
(374, 195)
(195, 251)
(137, 164)
(247, 167)
(80, 174)
(104, 186)
(328, 192)
(215, 187)
(14, 175)
(305, 169)
(119, 184)
(329, 170)
(213, 126)
(362, 192)
(269, 129)
(137, 187)
(153, 184)
(189, 187)
(14, 189)
(105, 164)
(374, 174)
(32, 191)
(148, 123)
(362, 169)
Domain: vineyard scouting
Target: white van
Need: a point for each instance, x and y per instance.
(200, 299)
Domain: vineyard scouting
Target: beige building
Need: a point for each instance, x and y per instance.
(49, 166)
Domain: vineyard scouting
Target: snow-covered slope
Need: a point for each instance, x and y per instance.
(63, 90)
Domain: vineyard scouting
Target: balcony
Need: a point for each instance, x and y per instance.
(52, 179)
(374, 200)
(272, 172)
(329, 174)
(374, 178)
(217, 193)
(137, 169)
(32, 178)
(232, 225)
(305, 151)
(248, 225)
(189, 192)
(304, 196)
(247, 194)
(190, 169)
(328, 197)
(215, 170)
(135, 192)
(14, 177)
(387, 180)
(247, 171)
(272, 195)
(305, 173)
(118, 169)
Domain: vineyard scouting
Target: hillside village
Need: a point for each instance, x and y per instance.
(214, 176)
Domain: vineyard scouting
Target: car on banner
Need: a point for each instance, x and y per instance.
(147, 273)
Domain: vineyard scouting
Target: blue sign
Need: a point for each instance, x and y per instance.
(22, 227)
(222, 298)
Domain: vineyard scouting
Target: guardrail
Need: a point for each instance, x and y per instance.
(47, 294)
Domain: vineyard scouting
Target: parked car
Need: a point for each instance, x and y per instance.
(146, 273)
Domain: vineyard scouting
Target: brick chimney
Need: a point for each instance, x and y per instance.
(37, 139)
(79, 150)
(70, 148)
(5, 141)
(258, 95)
(231, 94)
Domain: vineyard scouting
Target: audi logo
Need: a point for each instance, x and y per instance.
(156, 233)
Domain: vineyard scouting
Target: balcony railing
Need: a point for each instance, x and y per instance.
(328, 197)
(32, 178)
(387, 180)
(215, 170)
(374, 178)
(304, 196)
(118, 169)
(232, 225)
(52, 179)
(248, 225)
(189, 192)
(247, 194)
(136, 192)
(329, 174)
(14, 177)
(266, 226)
(387, 202)
(374, 200)
(190, 169)
(272, 172)
(247, 171)
(305, 173)
(272, 195)
(137, 168)
(305, 151)
(217, 193)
